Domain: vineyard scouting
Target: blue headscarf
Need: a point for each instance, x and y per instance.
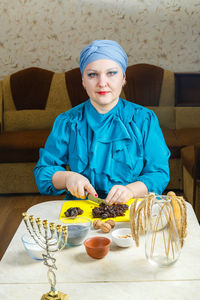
(103, 49)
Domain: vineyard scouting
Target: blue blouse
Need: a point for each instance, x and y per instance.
(120, 147)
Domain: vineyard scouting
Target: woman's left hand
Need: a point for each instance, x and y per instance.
(119, 194)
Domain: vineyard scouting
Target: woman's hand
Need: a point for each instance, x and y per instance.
(78, 185)
(119, 194)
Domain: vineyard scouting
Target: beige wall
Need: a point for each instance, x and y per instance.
(51, 33)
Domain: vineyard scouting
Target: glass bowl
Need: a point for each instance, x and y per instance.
(31, 247)
(78, 228)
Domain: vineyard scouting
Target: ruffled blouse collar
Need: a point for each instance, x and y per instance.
(106, 127)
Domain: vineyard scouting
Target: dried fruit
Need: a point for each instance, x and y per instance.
(73, 212)
(97, 224)
(105, 227)
(109, 211)
(111, 223)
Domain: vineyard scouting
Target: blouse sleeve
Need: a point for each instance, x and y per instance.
(53, 157)
(155, 174)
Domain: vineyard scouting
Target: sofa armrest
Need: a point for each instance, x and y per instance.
(190, 156)
(197, 159)
(1, 107)
(187, 117)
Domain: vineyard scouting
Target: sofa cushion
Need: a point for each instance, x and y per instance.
(167, 94)
(22, 146)
(188, 158)
(177, 139)
(30, 119)
(144, 82)
(187, 117)
(188, 136)
(76, 91)
(165, 115)
(172, 142)
(30, 88)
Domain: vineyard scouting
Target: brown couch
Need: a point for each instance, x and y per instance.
(190, 157)
(31, 99)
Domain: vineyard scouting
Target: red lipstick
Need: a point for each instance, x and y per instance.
(102, 93)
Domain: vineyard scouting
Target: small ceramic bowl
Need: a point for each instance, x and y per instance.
(31, 247)
(122, 237)
(97, 246)
(78, 228)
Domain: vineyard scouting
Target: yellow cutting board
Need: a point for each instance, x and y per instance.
(87, 206)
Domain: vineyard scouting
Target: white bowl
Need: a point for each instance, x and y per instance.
(122, 237)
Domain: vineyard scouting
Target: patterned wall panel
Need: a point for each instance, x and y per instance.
(50, 33)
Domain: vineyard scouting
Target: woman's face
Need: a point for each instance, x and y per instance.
(103, 80)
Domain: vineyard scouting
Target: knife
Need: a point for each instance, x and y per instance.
(96, 199)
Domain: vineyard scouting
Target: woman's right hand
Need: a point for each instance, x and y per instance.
(78, 185)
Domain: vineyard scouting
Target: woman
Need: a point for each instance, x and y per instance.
(114, 148)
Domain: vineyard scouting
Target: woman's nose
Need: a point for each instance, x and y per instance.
(102, 81)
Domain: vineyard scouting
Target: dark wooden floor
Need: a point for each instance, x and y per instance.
(11, 209)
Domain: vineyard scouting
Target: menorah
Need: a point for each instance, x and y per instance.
(51, 238)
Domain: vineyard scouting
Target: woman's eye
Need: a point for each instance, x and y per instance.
(92, 75)
(112, 73)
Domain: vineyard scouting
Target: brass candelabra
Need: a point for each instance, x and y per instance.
(51, 238)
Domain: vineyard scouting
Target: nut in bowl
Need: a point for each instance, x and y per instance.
(78, 228)
(97, 246)
(122, 237)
